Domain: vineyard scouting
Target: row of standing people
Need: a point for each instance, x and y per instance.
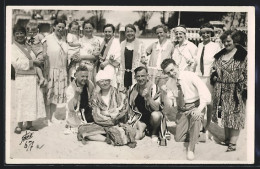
(130, 55)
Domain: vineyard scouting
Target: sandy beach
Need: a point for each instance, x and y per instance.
(50, 143)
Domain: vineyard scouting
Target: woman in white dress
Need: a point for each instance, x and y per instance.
(29, 97)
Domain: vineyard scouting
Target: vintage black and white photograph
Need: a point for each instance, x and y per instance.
(130, 85)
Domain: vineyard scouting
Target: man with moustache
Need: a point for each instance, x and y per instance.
(79, 94)
(185, 51)
(144, 98)
(192, 98)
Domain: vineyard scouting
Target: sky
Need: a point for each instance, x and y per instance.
(123, 17)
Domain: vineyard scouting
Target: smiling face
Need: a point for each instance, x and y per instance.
(81, 77)
(108, 31)
(206, 36)
(141, 77)
(74, 29)
(130, 34)
(59, 29)
(104, 84)
(161, 34)
(228, 43)
(172, 71)
(19, 37)
(180, 36)
(88, 29)
(32, 32)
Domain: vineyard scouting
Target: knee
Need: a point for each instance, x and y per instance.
(156, 115)
(177, 138)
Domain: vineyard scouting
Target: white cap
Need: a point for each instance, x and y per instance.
(104, 75)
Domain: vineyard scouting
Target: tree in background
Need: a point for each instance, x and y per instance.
(235, 19)
(98, 19)
(169, 19)
(142, 23)
(196, 19)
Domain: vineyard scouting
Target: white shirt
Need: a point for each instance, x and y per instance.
(210, 50)
(161, 48)
(184, 54)
(193, 88)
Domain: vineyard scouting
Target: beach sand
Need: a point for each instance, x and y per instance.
(50, 143)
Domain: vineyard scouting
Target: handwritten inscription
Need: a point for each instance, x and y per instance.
(28, 142)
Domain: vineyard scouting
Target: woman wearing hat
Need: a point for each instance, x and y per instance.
(205, 58)
(109, 107)
(185, 51)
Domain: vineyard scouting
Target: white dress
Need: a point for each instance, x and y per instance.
(29, 96)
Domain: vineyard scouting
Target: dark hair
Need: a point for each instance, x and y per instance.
(73, 23)
(140, 68)
(234, 34)
(19, 28)
(57, 21)
(207, 25)
(109, 25)
(131, 26)
(81, 68)
(166, 63)
(165, 28)
(88, 22)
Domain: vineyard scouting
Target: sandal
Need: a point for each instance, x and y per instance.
(231, 147)
(18, 130)
(31, 128)
(224, 143)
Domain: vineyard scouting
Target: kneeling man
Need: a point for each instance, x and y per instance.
(79, 94)
(144, 98)
(193, 97)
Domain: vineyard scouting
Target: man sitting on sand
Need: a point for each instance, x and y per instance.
(193, 97)
(78, 94)
(144, 98)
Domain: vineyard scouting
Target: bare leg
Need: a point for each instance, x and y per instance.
(209, 115)
(155, 122)
(98, 137)
(227, 134)
(20, 125)
(234, 134)
(42, 81)
(50, 109)
(29, 124)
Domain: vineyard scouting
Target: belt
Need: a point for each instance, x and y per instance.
(189, 106)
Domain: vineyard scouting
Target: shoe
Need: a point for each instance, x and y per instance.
(231, 147)
(31, 128)
(154, 138)
(190, 155)
(18, 130)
